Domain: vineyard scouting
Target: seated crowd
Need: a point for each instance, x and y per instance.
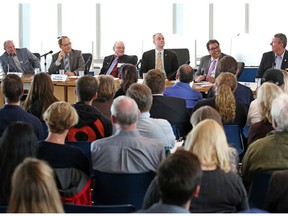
(138, 128)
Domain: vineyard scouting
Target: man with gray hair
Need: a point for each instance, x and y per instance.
(270, 152)
(126, 151)
(112, 63)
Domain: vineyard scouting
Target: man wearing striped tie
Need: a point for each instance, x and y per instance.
(160, 58)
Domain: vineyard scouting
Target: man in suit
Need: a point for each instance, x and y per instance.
(170, 108)
(112, 63)
(277, 58)
(18, 60)
(208, 63)
(67, 58)
(159, 58)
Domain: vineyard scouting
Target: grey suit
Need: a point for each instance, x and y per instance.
(205, 62)
(27, 60)
(76, 62)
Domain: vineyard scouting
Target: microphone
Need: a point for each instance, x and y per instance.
(50, 52)
(86, 63)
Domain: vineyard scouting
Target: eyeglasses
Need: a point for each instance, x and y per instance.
(214, 48)
(123, 48)
(65, 45)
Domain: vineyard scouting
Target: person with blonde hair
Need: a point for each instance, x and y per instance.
(34, 189)
(265, 95)
(230, 110)
(221, 189)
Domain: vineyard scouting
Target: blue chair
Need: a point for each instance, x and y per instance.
(234, 137)
(86, 149)
(176, 132)
(71, 208)
(121, 188)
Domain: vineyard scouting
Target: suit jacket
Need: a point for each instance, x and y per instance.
(27, 60)
(204, 65)
(170, 63)
(122, 59)
(173, 110)
(76, 63)
(268, 61)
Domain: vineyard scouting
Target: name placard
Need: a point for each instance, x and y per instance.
(58, 77)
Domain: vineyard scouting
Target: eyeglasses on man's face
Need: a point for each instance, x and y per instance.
(117, 47)
(213, 48)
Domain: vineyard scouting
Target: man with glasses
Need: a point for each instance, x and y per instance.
(112, 63)
(67, 59)
(277, 58)
(208, 63)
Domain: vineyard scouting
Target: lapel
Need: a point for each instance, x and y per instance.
(284, 64)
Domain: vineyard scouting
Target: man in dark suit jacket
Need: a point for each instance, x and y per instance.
(277, 58)
(109, 68)
(169, 59)
(18, 60)
(75, 58)
(213, 48)
(170, 108)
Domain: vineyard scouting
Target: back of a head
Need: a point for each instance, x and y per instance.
(142, 96)
(86, 88)
(129, 75)
(226, 64)
(212, 150)
(125, 110)
(274, 76)
(155, 80)
(60, 116)
(178, 177)
(185, 73)
(34, 189)
(12, 88)
(266, 93)
(106, 88)
(279, 113)
(205, 112)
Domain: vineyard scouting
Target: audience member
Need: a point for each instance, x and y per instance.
(92, 125)
(34, 189)
(128, 75)
(277, 58)
(159, 129)
(208, 63)
(18, 60)
(271, 75)
(105, 96)
(269, 153)
(40, 95)
(126, 151)
(17, 143)
(242, 93)
(177, 186)
(182, 89)
(170, 108)
(160, 58)
(265, 95)
(112, 63)
(285, 80)
(12, 89)
(230, 110)
(68, 59)
(60, 117)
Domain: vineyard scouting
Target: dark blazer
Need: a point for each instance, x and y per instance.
(173, 110)
(170, 63)
(122, 59)
(268, 61)
(204, 65)
(27, 60)
(76, 63)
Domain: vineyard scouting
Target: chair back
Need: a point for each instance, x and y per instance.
(183, 55)
(88, 60)
(134, 59)
(37, 55)
(121, 188)
(176, 132)
(71, 208)
(234, 137)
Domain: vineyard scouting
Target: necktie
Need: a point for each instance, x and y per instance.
(66, 63)
(211, 68)
(159, 61)
(115, 61)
